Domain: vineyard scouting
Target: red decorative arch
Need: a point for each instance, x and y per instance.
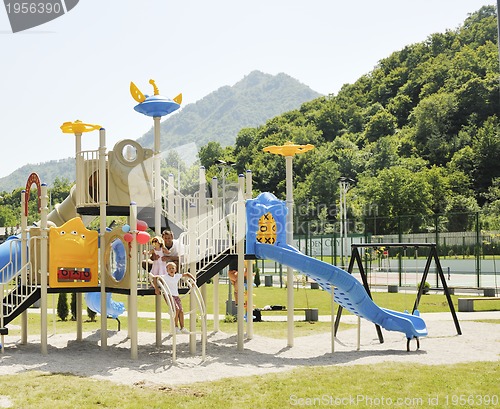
(33, 179)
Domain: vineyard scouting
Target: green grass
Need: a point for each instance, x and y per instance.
(307, 298)
(417, 385)
(262, 296)
(403, 385)
(268, 329)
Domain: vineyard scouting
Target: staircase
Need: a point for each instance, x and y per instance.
(15, 297)
(17, 301)
(214, 266)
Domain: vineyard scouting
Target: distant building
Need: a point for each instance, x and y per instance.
(6, 232)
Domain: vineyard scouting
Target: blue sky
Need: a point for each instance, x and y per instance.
(79, 66)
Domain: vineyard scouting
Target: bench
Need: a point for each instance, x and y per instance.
(311, 314)
(467, 304)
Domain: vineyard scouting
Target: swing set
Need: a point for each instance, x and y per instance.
(433, 256)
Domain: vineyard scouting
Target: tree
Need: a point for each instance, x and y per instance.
(73, 306)
(62, 306)
(210, 153)
(432, 119)
(7, 216)
(59, 190)
(486, 150)
(459, 211)
(491, 218)
(381, 124)
(396, 191)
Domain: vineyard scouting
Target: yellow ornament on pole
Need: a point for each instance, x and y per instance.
(288, 149)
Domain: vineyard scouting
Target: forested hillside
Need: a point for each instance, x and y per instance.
(418, 135)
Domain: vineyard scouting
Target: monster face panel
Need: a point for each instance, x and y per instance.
(73, 255)
(267, 229)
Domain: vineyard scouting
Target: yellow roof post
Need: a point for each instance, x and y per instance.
(288, 150)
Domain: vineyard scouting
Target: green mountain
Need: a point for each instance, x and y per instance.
(48, 172)
(217, 117)
(222, 114)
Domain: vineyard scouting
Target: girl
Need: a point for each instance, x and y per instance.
(158, 251)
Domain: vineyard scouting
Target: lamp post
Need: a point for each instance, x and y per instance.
(344, 184)
(223, 164)
(288, 150)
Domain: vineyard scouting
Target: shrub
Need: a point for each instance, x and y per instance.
(72, 305)
(256, 279)
(427, 286)
(229, 319)
(62, 307)
(91, 314)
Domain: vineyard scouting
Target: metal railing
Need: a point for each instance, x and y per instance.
(18, 282)
(88, 187)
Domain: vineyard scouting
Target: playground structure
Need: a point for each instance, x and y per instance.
(61, 255)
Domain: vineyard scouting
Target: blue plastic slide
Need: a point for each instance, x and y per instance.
(349, 292)
(113, 308)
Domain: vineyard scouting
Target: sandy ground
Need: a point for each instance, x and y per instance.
(480, 341)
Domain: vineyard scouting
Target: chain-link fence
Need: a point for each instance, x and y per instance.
(467, 252)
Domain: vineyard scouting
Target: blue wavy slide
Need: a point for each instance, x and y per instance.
(349, 292)
(113, 308)
(6, 248)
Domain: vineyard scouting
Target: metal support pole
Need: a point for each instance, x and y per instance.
(332, 289)
(217, 216)
(248, 195)
(24, 260)
(341, 212)
(44, 269)
(132, 313)
(289, 240)
(79, 317)
(240, 249)
(157, 175)
(102, 231)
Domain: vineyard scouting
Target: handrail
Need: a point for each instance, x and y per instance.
(203, 315)
(11, 275)
(167, 295)
(172, 310)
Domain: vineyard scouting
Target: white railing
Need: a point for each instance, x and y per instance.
(14, 290)
(208, 245)
(194, 289)
(87, 184)
(175, 204)
(178, 208)
(172, 310)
